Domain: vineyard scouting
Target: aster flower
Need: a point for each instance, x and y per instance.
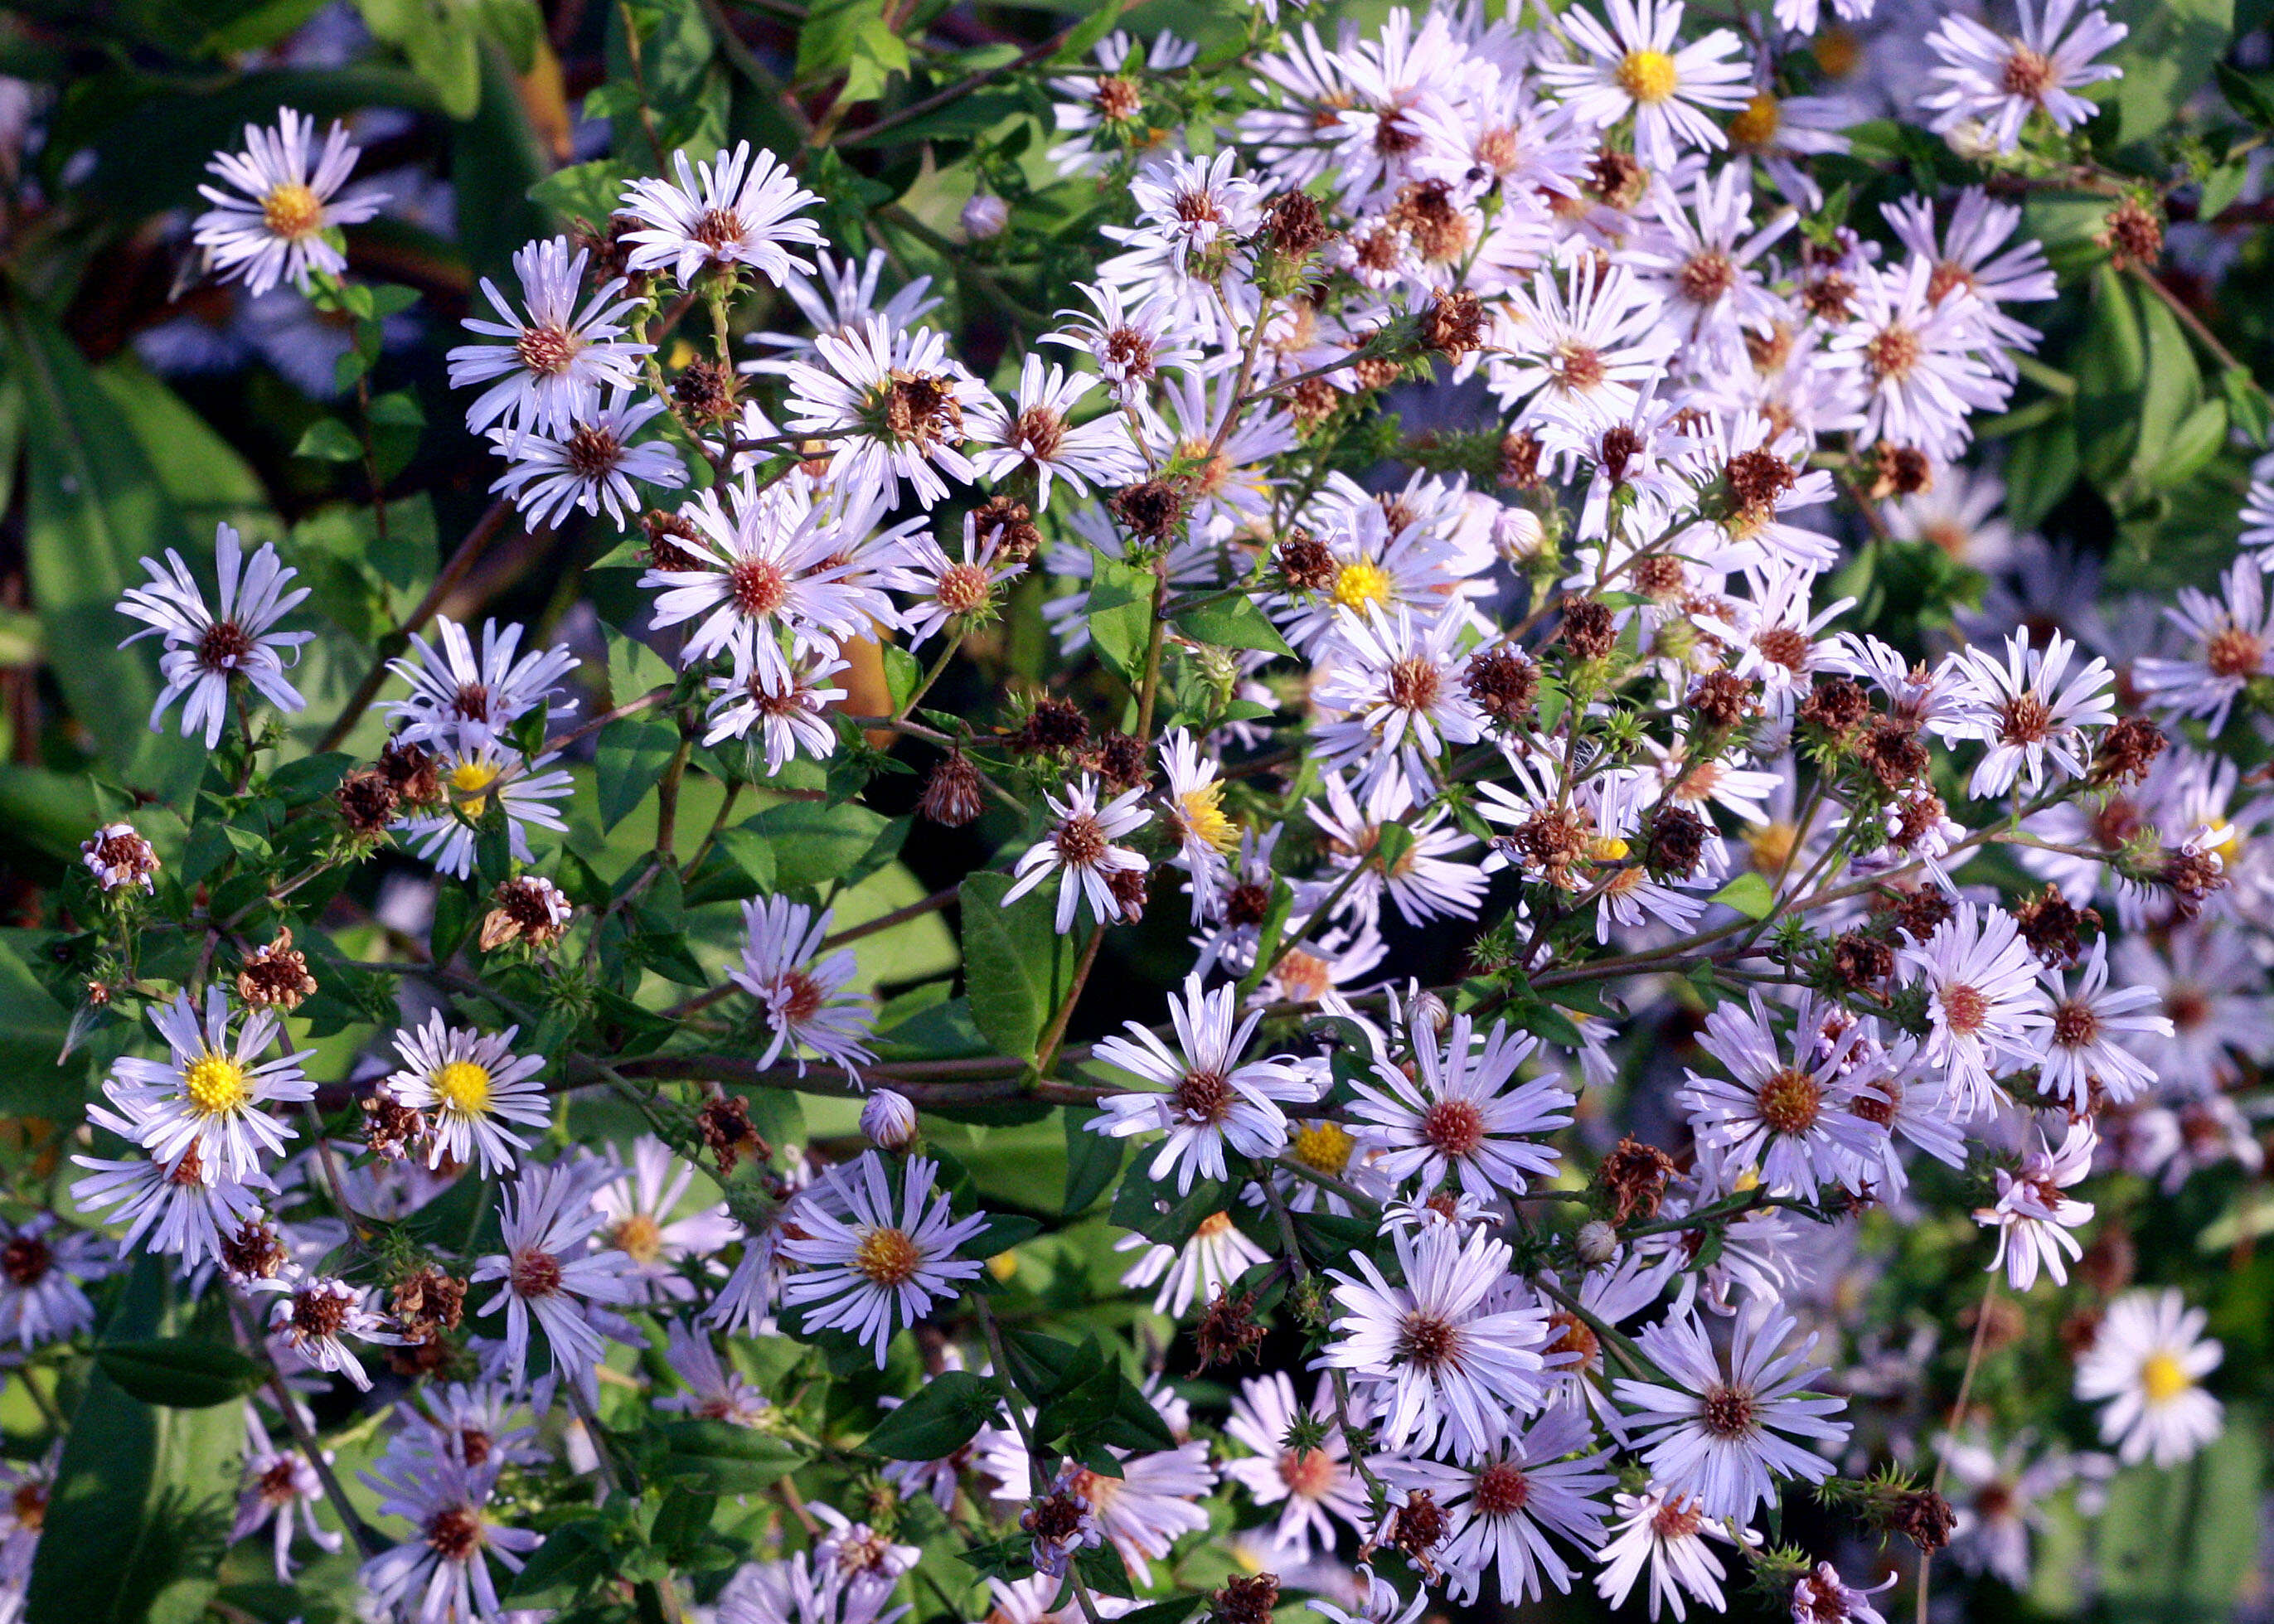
(470, 1085)
(1396, 684)
(836, 299)
(1919, 359)
(442, 1573)
(1193, 813)
(1543, 1481)
(640, 1207)
(1725, 1434)
(1822, 1594)
(313, 1317)
(714, 1390)
(1701, 268)
(557, 358)
(1997, 1501)
(1662, 1535)
(1800, 1122)
(786, 705)
(893, 406)
(1444, 1360)
(2029, 715)
(272, 228)
(801, 992)
(181, 1210)
(206, 651)
(770, 563)
(1463, 1115)
(1579, 355)
(1039, 437)
(1428, 880)
(457, 696)
(2032, 1217)
(730, 211)
(1638, 66)
(1996, 81)
(1131, 341)
(43, 1272)
(950, 590)
(209, 1096)
(281, 1492)
(475, 776)
(1305, 1484)
(548, 1275)
(1985, 1008)
(1079, 849)
(591, 465)
(1212, 1100)
(2084, 1047)
(1210, 1262)
(2233, 638)
(2147, 1362)
(870, 1273)
(120, 858)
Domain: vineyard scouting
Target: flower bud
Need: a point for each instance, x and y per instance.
(984, 216)
(1516, 533)
(889, 1120)
(1598, 1243)
(1427, 1013)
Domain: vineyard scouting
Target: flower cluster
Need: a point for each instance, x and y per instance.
(1532, 847)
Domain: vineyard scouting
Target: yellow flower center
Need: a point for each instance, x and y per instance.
(1607, 848)
(1004, 1265)
(466, 777)
(216, 1084)
(1204, 815)
(1757, 125)
(1362, 583)
(292, 210)
(2162, 1379)
(1648, 76)
(1749, 1179)
(1322, 1146)
(888, 1257)
(639, 1238)
(462, 1086)
(1837, 51)
(2229, 849)
(1772, 846)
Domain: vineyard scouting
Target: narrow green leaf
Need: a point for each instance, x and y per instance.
(180, 1372)
(632, 756)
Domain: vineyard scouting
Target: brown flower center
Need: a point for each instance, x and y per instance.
(535, 1273)
(2028, 73)
(223, 646)
(1453, 1127)
(1502, 1489)
(1791, 1101)
(1727, 1412)
(1892, 353)
(1964, 1010)
(1427, 1341)
(2075, 1025)
(454, 1532)
(1204, 1097)
(758, 587)
(547, 351)
(25, 1260)
(1705, 277)
(1081, 841)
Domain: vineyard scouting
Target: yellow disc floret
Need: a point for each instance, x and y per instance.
(1361, 584)
(468, 776)
(292, 210)
(2162, 1378)
(464, 1086)
(1648, 76)
(1202, 811)
(888, 1257)
(1322, 1146)
(216, 1084)
(1756, 126)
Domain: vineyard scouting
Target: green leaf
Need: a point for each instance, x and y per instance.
(2246, 402)
(632, 755)
(1237, 622)
(94, 505)
(584, 191)
(2041, 466)
(180, 1372)
(1156, 1211)
(1750, 894)
(2250, 95)
(718, 1457)
(740, 864)
(2168, 55)
(328, 439)
(139, 1513)
(818, 844)
(2220, 188)
(1121, 615)
(1005, 1002)
(1092, 1160)
(574, 1557)
(439, 41)
(2193, 443)
(33, 1027)
(1092, 28)
(943, 1415)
